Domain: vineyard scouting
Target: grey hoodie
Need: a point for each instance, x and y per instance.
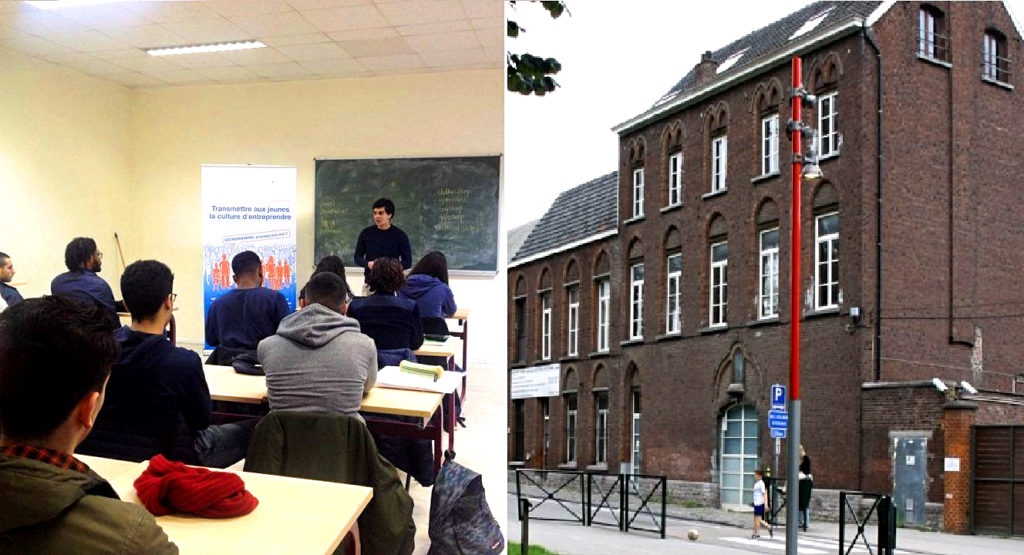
(318, 360)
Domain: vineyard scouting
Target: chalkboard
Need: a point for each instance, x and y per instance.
(443, 204)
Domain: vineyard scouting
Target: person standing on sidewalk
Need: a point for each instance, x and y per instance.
(760, 503)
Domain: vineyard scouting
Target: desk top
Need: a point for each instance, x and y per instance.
(461, 314)
(107, 468)
(228, 385)
(446, 349)
(294, 516)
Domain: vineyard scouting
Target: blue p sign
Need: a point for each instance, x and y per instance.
(779, 396)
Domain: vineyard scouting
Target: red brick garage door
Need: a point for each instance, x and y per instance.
(998, 503)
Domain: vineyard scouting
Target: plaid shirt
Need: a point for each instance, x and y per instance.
(56, 458)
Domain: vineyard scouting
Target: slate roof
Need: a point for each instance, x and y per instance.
(580, 212)
(516, 237)
(772, 38)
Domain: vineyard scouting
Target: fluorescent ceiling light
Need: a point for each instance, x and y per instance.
(200, 48)
(58, 4)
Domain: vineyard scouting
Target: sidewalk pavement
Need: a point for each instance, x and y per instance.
(566, 537)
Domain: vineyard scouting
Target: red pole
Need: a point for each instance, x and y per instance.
(794, 242)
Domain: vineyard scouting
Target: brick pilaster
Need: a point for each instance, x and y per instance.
(957, 421)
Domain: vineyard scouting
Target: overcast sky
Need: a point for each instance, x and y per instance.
(618, 57)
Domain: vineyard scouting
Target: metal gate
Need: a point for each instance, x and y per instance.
(911, 480)
(997, 503)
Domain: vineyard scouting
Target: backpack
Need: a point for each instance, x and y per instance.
(460, 519)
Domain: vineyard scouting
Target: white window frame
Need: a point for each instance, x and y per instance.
(604, 294)
(828, 117)
(635, 454)
(636, 301)
(601, 427)
(638, 193)
(830, 264)
(718, 279)
(675, 179)
(571, 421)
(673, 295)
(719, 162)
(545, 326)
(745, 420)
(770, 145)
(768, 277)
(926, 33)
(990, 56)
(573, 335)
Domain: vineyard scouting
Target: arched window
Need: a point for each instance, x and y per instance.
(995, 64)
(768, 260)
(600, 392)
(717, 128)
(672, 147)
(827, 293)
(767, 100)
(933, 36)
(636, 290)
(544, 300)
(572, 307)
(519, 348)
(603, 298)
(570, 400)
(739, 448)
(635, 451)
(637, 156)
(718, 276)
(673, 281)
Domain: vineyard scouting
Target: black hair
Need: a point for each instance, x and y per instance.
(246, 262)
(386, 276)
(54, 351)
(433, 264)
(3, 257)
(386, 204)
(145, 285)
(78, 252)
(334, 265)
(327, 289)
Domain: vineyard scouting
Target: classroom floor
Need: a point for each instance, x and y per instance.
(479, 446)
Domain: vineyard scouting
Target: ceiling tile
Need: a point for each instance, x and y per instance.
(382, 47)
(491, 11)
(289, 69)
(312, 38)
(204, 59)
(229, 8)
(256, 56)
(42, 23)
(170, 11)
(491, 38)
(272, 25)
(87, 41)
(121, 54)
(65, 58)
(103, 16)
(209, 31)
(315, 4)
(346, 66)
(434, 28)
(364, 34)
(346, 18)
(180, 77)
(382, 65)
(146, 36)
(323, 51)
(94, 67)
(416, 12)
(476, 57)
(146, 64)
(228, 73)
(133, 79)
(448, 41)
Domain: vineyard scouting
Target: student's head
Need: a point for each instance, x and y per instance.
(329, 290)
(81, 253)
(6, 268)
(758, 473)
(55, 356)
(386, 276)
(333, 264)
(147, 286)
(433, 264)
(247, 268)
(383, 211)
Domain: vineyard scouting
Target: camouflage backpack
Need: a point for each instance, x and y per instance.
(460, 519)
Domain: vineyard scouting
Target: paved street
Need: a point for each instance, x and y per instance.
(726, 532)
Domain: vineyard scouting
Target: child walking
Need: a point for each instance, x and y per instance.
(760, 502)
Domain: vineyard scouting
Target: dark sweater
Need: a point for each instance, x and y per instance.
(392, 322)
(374, 243)
(241, 318)
(433, 297)
(10, 294)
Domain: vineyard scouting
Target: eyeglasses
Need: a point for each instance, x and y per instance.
(174, 297)
(98, 254)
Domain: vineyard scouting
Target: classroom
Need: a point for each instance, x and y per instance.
(98, 141)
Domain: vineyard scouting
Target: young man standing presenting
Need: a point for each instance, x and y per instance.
(55, 356)
(382, 239)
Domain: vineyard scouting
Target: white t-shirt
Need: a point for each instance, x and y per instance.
(3, 304)
(759, 492)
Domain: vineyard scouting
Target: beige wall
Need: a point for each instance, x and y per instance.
(101, 158)
(64, 166)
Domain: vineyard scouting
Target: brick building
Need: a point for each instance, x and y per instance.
(661, 290)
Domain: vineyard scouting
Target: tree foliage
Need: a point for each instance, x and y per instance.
(529, 74)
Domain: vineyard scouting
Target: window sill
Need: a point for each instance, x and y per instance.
(997, 83)
(669, 336)
(599, 354)
(936, 61)
(630, 342)
(765, 177)
(569, 358)
(634, 220)
(517, 364)
(567, 465)
(764, 321)
(714, 194)
(830, 311)
(829, 156)
(516, 464)
(603, 467)
(671, 207)
(713, 329)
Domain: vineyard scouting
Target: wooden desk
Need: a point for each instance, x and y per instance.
(227, 385)
(462, 315)
(294, 516)
(107, 468)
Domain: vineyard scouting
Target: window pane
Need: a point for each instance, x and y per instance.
(731, 465)
(731, 445)
(770, 239)
(828, 224)
(750, 446)
(719, 252)
(731, 480)
(749, 466)
(675, 263)
(750, 428)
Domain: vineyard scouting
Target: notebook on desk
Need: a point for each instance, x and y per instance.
(393, 377)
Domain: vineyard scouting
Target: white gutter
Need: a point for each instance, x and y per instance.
(562, 248)
(649, 116)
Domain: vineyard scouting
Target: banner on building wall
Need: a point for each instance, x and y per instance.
(248, 208)
(535, 381)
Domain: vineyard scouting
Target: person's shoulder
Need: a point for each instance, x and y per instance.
(398, 230)
(130, 523)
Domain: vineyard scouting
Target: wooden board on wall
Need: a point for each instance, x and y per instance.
(443, 204)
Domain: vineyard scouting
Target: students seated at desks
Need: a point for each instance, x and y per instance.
(157, 397)
(392, 322)
(318, 360)
(55, 356)
(239, 319)
(84, 261)
(428, 287)
(334, 265)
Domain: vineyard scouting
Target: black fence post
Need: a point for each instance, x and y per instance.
(842, 521)
(524, 535)
(664, 498)
(623, 502)
(519, 495)
(586, 503)
(886, 525)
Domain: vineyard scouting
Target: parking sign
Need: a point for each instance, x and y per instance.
(778, 396)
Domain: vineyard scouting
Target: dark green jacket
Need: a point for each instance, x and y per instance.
(47, 509)
(338, 448)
